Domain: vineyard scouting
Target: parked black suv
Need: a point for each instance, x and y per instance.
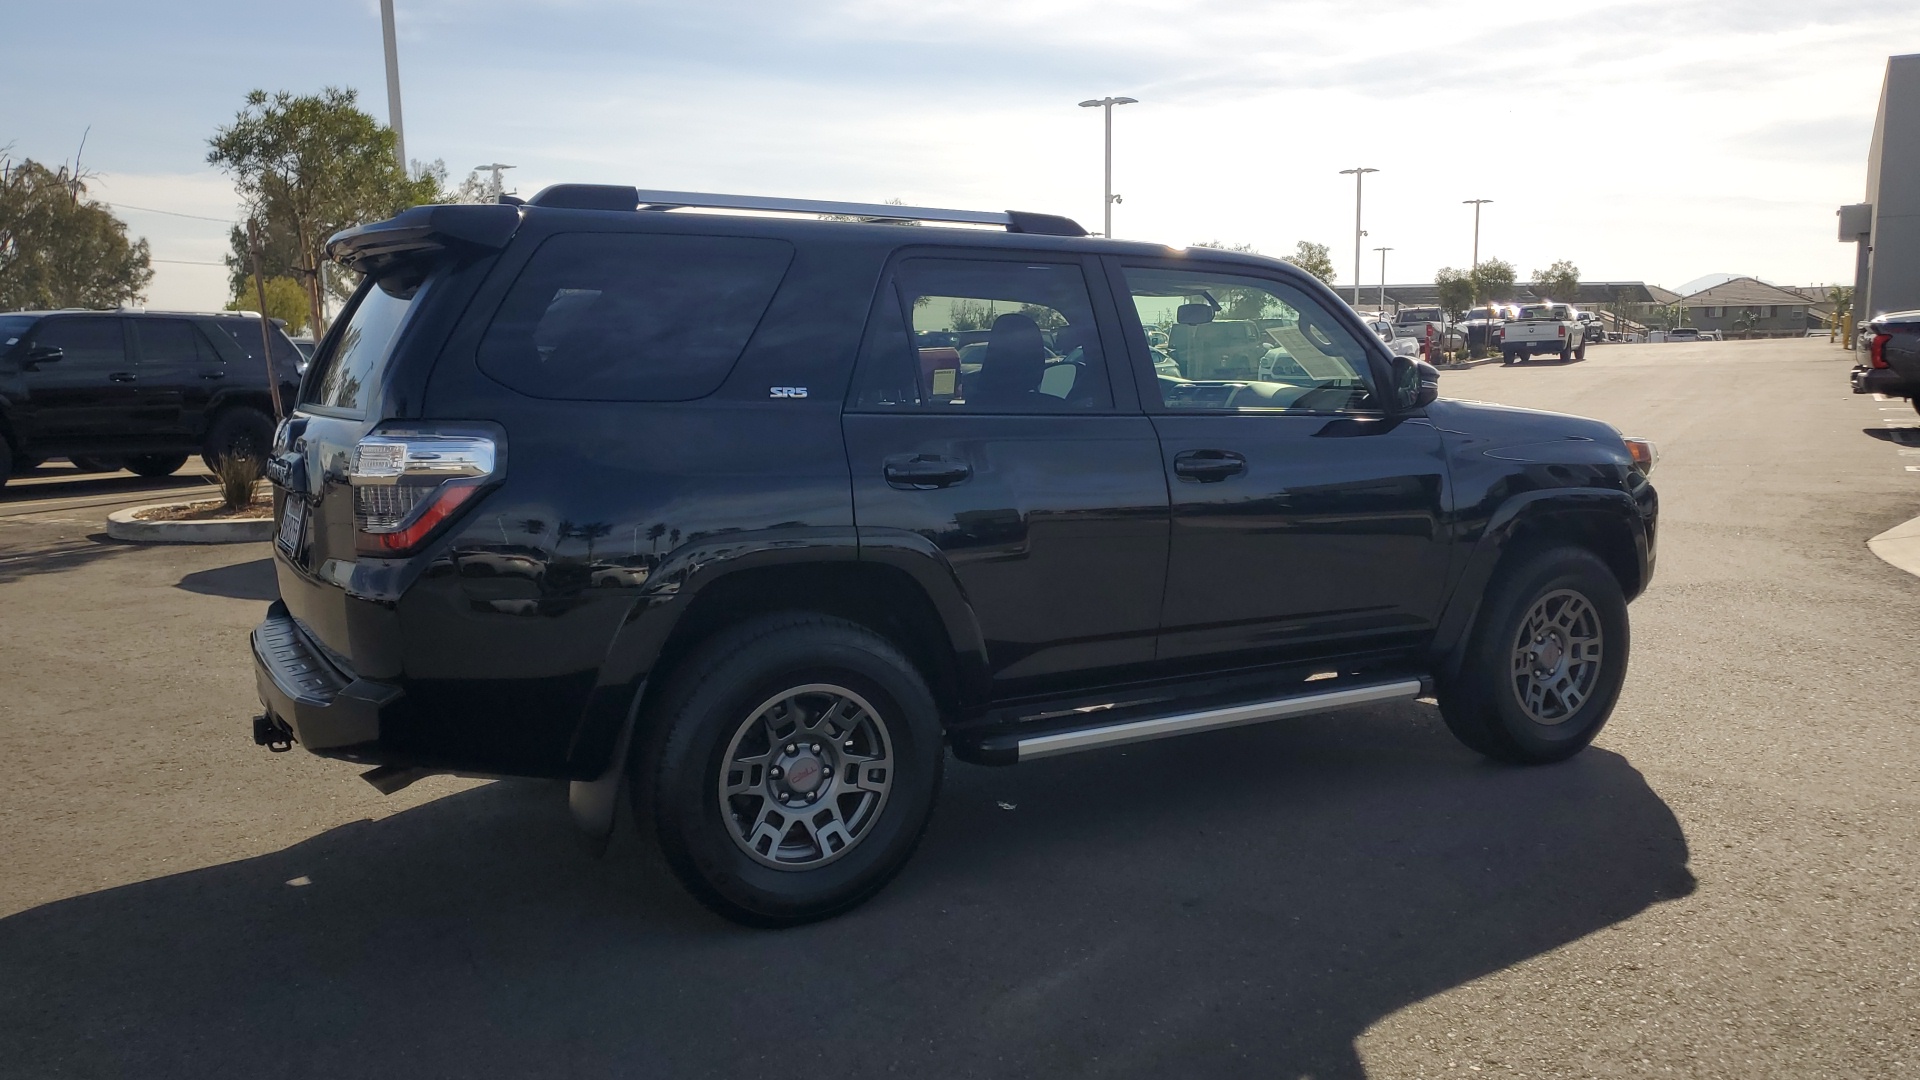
(144, 389)
(712, 505)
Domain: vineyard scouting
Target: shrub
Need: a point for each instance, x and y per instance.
(237, 475)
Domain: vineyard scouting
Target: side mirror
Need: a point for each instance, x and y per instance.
(43, 354)
(1416, 383)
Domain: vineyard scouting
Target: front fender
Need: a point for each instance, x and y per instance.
(1564, 511)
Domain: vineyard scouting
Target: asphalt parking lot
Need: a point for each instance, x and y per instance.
(1724, 886)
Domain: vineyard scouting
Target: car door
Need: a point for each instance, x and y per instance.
(89, 397)
(1021, 467)
(1307, 524)
(179, 373)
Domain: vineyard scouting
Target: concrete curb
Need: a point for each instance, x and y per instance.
(122, 526)
(1900, 546)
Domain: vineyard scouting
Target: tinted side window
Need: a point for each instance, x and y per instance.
(984, 336)
(632, 317)
(246, 334)
(172, 341)
(91, 344)
(351, 366)
(1247, 343)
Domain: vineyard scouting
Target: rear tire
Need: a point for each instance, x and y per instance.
(730, 737)
(155, 465)
(1581, 352)
(1566, 352)
(1546, 660)
(8, 463)
(240, 431)
(1507, 357)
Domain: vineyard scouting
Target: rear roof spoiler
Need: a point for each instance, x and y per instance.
(423, 230)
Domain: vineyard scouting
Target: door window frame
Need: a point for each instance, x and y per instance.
(1108, 325)
(1140, 355)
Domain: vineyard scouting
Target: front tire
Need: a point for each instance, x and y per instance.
(792, 768)
(155, 465)
(1545, 662)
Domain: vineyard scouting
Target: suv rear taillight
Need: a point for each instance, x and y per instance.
(1877, 355)
(405, 486)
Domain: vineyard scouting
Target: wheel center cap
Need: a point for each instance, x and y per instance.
(1550, 653)
(803, 775)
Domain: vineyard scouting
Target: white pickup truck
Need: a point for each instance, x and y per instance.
(1544, 328)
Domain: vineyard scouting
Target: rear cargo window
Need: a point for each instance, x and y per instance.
(351, 365)
(630, 317)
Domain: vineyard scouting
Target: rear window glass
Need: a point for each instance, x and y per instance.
(246, 334)
(12, 327)
(351, 365)
(632, 317)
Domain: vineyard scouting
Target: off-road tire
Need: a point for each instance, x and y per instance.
(239, 430)
(155, 465)
(692, 728)
(1480, 701)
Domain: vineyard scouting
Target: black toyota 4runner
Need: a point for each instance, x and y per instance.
(143, 389)
(755, 516)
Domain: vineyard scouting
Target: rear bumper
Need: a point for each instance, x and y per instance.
(331, 712)
(1887, 381)
(1552, 345)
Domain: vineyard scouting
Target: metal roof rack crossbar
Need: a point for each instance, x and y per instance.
(614, 197)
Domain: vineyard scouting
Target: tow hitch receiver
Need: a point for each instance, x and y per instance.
(272, 734)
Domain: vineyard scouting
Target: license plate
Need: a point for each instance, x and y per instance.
(293, 521)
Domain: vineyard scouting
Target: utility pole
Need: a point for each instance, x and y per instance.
(393, 84)
(1109, 198)
(1358, 173)
(1477, 204)
(495, 188)
(1383, 276)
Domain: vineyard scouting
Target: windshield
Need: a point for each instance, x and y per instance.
(1421, 314)
(1542, 311)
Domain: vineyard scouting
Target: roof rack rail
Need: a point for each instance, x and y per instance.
(616, 197)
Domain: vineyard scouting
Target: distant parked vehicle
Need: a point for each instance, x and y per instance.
(1545, 328)
(1683, 333)
(141, 390)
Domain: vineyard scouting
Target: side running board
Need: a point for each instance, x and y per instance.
(1007, 748)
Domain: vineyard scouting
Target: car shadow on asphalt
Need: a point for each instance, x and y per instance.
(1907, 436)
(252, 580)
(71, 484)
(1243, 903)
(61, 556)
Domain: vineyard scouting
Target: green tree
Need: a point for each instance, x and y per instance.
(1315, 259)
(286, 301)
(1561, 282)
(1242, 303)
(59, 248)
(307, 166)
(1456, 291)
(1492, 281)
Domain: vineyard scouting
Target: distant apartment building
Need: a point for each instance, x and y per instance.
(1749, 307)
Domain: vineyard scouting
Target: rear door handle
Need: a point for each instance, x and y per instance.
(122, 376)
(1208, 466)
(213, 374)
(921, 472)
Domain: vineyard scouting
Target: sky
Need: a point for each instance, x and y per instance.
(1656, 141)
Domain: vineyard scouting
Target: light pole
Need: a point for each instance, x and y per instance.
(1383, 276)
(393, 83)
(1106, 203)
(495, 187)
(1476, 204)
(1358, 173)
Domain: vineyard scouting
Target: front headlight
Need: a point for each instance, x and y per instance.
(1645, 454)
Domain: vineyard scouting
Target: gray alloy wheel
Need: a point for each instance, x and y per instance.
(1556, 657)
(805, 776)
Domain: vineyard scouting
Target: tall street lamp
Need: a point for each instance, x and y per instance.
(1358, 173)
(1107, 202)
(1383, 276)
(1476, 204)
(393, 83)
